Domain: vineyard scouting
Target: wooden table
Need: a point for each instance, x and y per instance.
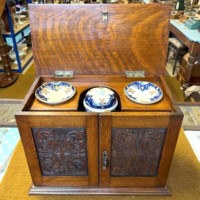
(191, 38)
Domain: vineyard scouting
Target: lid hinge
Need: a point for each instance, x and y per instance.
(130, 74)
(63, 74)
(105, 16)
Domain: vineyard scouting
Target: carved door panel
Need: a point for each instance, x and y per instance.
(61, 149)
(133, 149)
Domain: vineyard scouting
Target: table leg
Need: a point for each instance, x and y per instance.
(187, 69)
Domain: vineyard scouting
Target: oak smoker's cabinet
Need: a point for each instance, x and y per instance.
(71, 151)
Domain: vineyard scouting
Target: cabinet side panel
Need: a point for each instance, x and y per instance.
(136, 151)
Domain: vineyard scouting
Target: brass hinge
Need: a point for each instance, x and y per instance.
(63, 74)
(105, 16)
(130, 74)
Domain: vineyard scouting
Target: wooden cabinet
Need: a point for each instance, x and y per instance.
(71, 151)
(193, 73)
(128, 151)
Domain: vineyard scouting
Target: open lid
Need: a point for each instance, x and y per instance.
(100, 38)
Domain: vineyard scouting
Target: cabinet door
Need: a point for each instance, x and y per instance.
(136, 150)
(61, 148)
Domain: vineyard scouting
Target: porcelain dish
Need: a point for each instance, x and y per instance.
(100, 99)
(55, 92)
(143, 92)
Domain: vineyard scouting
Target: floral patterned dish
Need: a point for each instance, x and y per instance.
(143, 92)
(55, 92)
(100, 99)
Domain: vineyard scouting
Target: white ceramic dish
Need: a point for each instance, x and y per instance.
(143, 92)
(55, 92)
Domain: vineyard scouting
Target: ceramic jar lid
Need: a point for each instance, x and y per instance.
(100, 99)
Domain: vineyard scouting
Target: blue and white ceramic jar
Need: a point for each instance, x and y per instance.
(100, 99)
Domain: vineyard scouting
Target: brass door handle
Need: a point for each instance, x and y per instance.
(105, 161)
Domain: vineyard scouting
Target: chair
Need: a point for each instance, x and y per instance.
(178, 48)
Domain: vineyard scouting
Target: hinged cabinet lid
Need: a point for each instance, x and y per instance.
(100, 38)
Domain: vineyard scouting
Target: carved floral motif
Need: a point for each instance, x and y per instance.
(136, 152)
(61, 151)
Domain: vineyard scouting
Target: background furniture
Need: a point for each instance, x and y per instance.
(15, 35)
(8, 77)
(178, 48)
(191, 39)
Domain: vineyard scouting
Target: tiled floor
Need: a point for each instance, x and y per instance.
(9, 137)
(194, 140)
(7, 113)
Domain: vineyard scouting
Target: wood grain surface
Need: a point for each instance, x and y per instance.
(75, 37)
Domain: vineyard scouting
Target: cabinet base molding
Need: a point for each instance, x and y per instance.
(99, 191)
